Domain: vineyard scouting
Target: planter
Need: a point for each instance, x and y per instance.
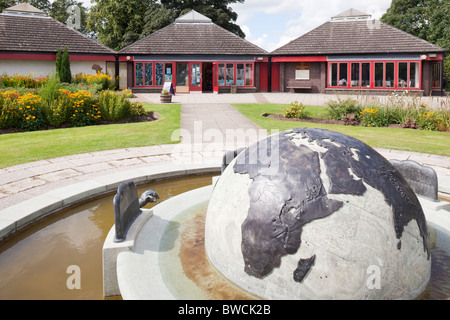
(166, 98)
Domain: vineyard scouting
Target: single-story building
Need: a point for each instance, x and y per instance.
(30, 39)
(356, 53)
(350, 53)
(196, 55)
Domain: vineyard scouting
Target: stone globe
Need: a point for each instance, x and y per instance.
(316, 214)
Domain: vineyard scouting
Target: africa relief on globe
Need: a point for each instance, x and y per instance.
(284, 201)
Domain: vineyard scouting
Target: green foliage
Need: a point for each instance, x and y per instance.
(118, 24)
(65, 74)
(58, 63)
(43, 5)
(59, 11)
(114, 106)
(295, 110)
(426, 19)
(218, 10)
(48, 91)
(342, 108)
(55, 104)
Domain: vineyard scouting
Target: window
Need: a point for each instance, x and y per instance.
(249, 74)
(302, 71)
(240, 74)
(355, 74)
(334, 75)
(414, 75)
(343, 78)
(230, 74)
(402, 75)
(168, 72)
(196, 75)
(221, 74)
(365, 75)
(139, 74)
(390, 75)
(436, 80)
(159, 74)
(379, 75)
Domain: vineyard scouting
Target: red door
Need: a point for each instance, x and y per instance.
(216, 77)
(263, 69)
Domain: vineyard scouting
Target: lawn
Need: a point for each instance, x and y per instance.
(17, 148)
(390, 138)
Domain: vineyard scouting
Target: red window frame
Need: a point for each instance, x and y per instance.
(235, 63)
(372, 74)
(153, 73)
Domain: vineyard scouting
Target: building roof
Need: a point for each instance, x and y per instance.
(191, 34)
(351, 13)
(354, 35)
(24, 7)
(41, 34)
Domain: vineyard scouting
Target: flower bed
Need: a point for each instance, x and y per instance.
(399, 111)
(53, 105)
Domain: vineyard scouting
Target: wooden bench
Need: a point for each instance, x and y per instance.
(293, 85)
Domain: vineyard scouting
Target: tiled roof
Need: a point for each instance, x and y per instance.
(193, 38)
(44, 34)
(356, 37)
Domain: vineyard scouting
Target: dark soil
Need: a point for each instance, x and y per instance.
(150, 116)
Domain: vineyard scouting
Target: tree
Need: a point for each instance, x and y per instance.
(43, 5)
(118, 23)
(217, 10)
(58, 63)
(65, 74)
(426, 19)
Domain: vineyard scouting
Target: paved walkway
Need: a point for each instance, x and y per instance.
(204, 131)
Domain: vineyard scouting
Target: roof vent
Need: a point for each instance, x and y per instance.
(351, 14)
(193, 17)
(24, 9)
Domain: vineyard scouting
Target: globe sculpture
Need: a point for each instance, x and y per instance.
(315, 214)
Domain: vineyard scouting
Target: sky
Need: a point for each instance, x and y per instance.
(271, 24)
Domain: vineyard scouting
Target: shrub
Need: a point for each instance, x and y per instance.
(65, 74)
(100, 79)
(295, 110)
(114, 106)
(341, 108)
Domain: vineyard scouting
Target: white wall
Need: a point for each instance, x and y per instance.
(46, 67)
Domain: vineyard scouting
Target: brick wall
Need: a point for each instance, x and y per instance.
(317, 76)
(427, 75)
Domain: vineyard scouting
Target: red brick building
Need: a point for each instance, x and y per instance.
(196, 55)
(354, 53)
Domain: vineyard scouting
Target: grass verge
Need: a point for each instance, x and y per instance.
(17, 148)
(423, 141)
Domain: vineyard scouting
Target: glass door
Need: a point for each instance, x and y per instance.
(182, 77)
(196, 77)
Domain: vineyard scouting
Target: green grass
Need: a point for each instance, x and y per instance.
(17, 148)
(390, 138)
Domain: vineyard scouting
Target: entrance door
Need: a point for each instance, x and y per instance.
(196, 77)
(182, 82)
(207, 77)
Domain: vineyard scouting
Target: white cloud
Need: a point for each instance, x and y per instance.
(300, 17)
